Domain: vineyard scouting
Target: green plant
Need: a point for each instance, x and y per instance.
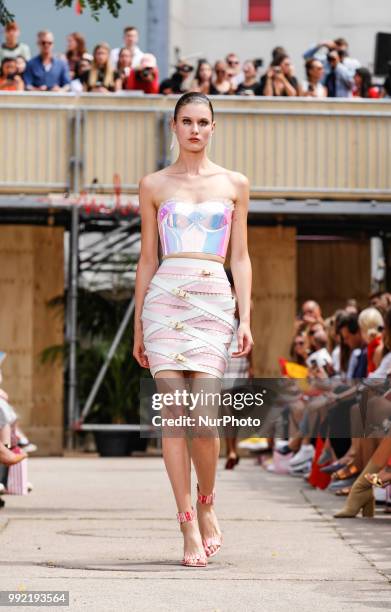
(117, 400)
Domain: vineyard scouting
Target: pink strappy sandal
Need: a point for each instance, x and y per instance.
(191, 560)
(214, 540)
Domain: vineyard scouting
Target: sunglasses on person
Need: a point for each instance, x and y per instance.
(45, 43)
(233, 62)
(299, 342)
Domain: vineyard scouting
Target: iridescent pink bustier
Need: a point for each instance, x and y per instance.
(195, 228)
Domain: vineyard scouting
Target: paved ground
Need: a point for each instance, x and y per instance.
(105, 530)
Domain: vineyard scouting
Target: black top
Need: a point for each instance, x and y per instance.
(292, 80)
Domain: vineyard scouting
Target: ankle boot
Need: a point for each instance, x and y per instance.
(361, 496)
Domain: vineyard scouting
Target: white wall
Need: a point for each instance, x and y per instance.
(215, 28)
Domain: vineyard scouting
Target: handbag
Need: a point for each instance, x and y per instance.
(17, 476)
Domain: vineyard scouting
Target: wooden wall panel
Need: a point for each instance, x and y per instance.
(273, 257)
(31, 273)
(332, 271)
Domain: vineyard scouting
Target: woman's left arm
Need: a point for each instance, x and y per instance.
(241, 265)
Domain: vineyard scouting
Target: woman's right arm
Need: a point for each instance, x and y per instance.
(147, 264)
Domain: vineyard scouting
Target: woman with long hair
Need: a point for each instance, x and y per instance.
(124, 67)
(100, 78)
(184, 312)
(363, 87)
(203, 82)
(76, 47)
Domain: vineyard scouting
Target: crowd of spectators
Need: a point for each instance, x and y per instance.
(330, 422)
(329, 69)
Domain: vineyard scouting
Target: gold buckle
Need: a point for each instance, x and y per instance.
(180, 292)
(176, 324)
(178, 356)
(206, 272)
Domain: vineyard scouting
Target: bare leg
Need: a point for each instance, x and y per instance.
(176, 458)
(205, 454)
(5, 434)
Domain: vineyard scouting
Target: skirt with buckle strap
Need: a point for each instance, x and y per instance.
(188, 316)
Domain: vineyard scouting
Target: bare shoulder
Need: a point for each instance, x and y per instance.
(239, 180)
(151, 184)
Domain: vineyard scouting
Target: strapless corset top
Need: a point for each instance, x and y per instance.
(195, 228)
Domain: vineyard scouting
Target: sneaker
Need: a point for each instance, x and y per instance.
(301, 470)
(305, 454)
(254, 444)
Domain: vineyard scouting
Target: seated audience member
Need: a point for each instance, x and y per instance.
(21, 65)
(10, 80)
(279, 79)
(235, 72)
(130, 42)
(145, 77)
(76, 47)
(221, 82)
(166, 87)
(124, 66)
(363, 87)
(312, 86)
(321, 52)
(11, 47)
(100, 77)
(338, 82)
(386, 91)
(203, 79)
(44, 72)
(250, 85)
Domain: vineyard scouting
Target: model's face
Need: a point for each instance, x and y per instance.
(101, 56)
(131, 38)
(194, 126)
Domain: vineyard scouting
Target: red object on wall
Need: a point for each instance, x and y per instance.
(318, 479)
(78, 7)
(259, 10)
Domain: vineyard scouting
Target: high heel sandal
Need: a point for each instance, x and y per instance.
(360, 497)
(195, 559)
(213, 540)
(376, 481)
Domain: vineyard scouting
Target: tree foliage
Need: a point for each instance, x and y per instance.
(95, 7)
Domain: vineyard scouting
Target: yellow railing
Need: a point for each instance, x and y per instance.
(293, 147)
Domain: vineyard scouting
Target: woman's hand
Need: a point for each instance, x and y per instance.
(245, 341)
(139, 350)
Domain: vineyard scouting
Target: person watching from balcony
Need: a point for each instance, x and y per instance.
(279, 79)
(124, 67)
(10, 80)
(363, 87)
(235, 72)
(100, 77)
(130, 42)
(339, 83)
(250, 86)
(203, 79)
(21, 66)
(11, 47)
(312, 86)
(221, 81)
(76, 47)
(322, 50)
(44, 72)
(145, 77)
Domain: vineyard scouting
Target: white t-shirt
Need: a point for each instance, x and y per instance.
(319, 91)
(383, 369)
(137, 55)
